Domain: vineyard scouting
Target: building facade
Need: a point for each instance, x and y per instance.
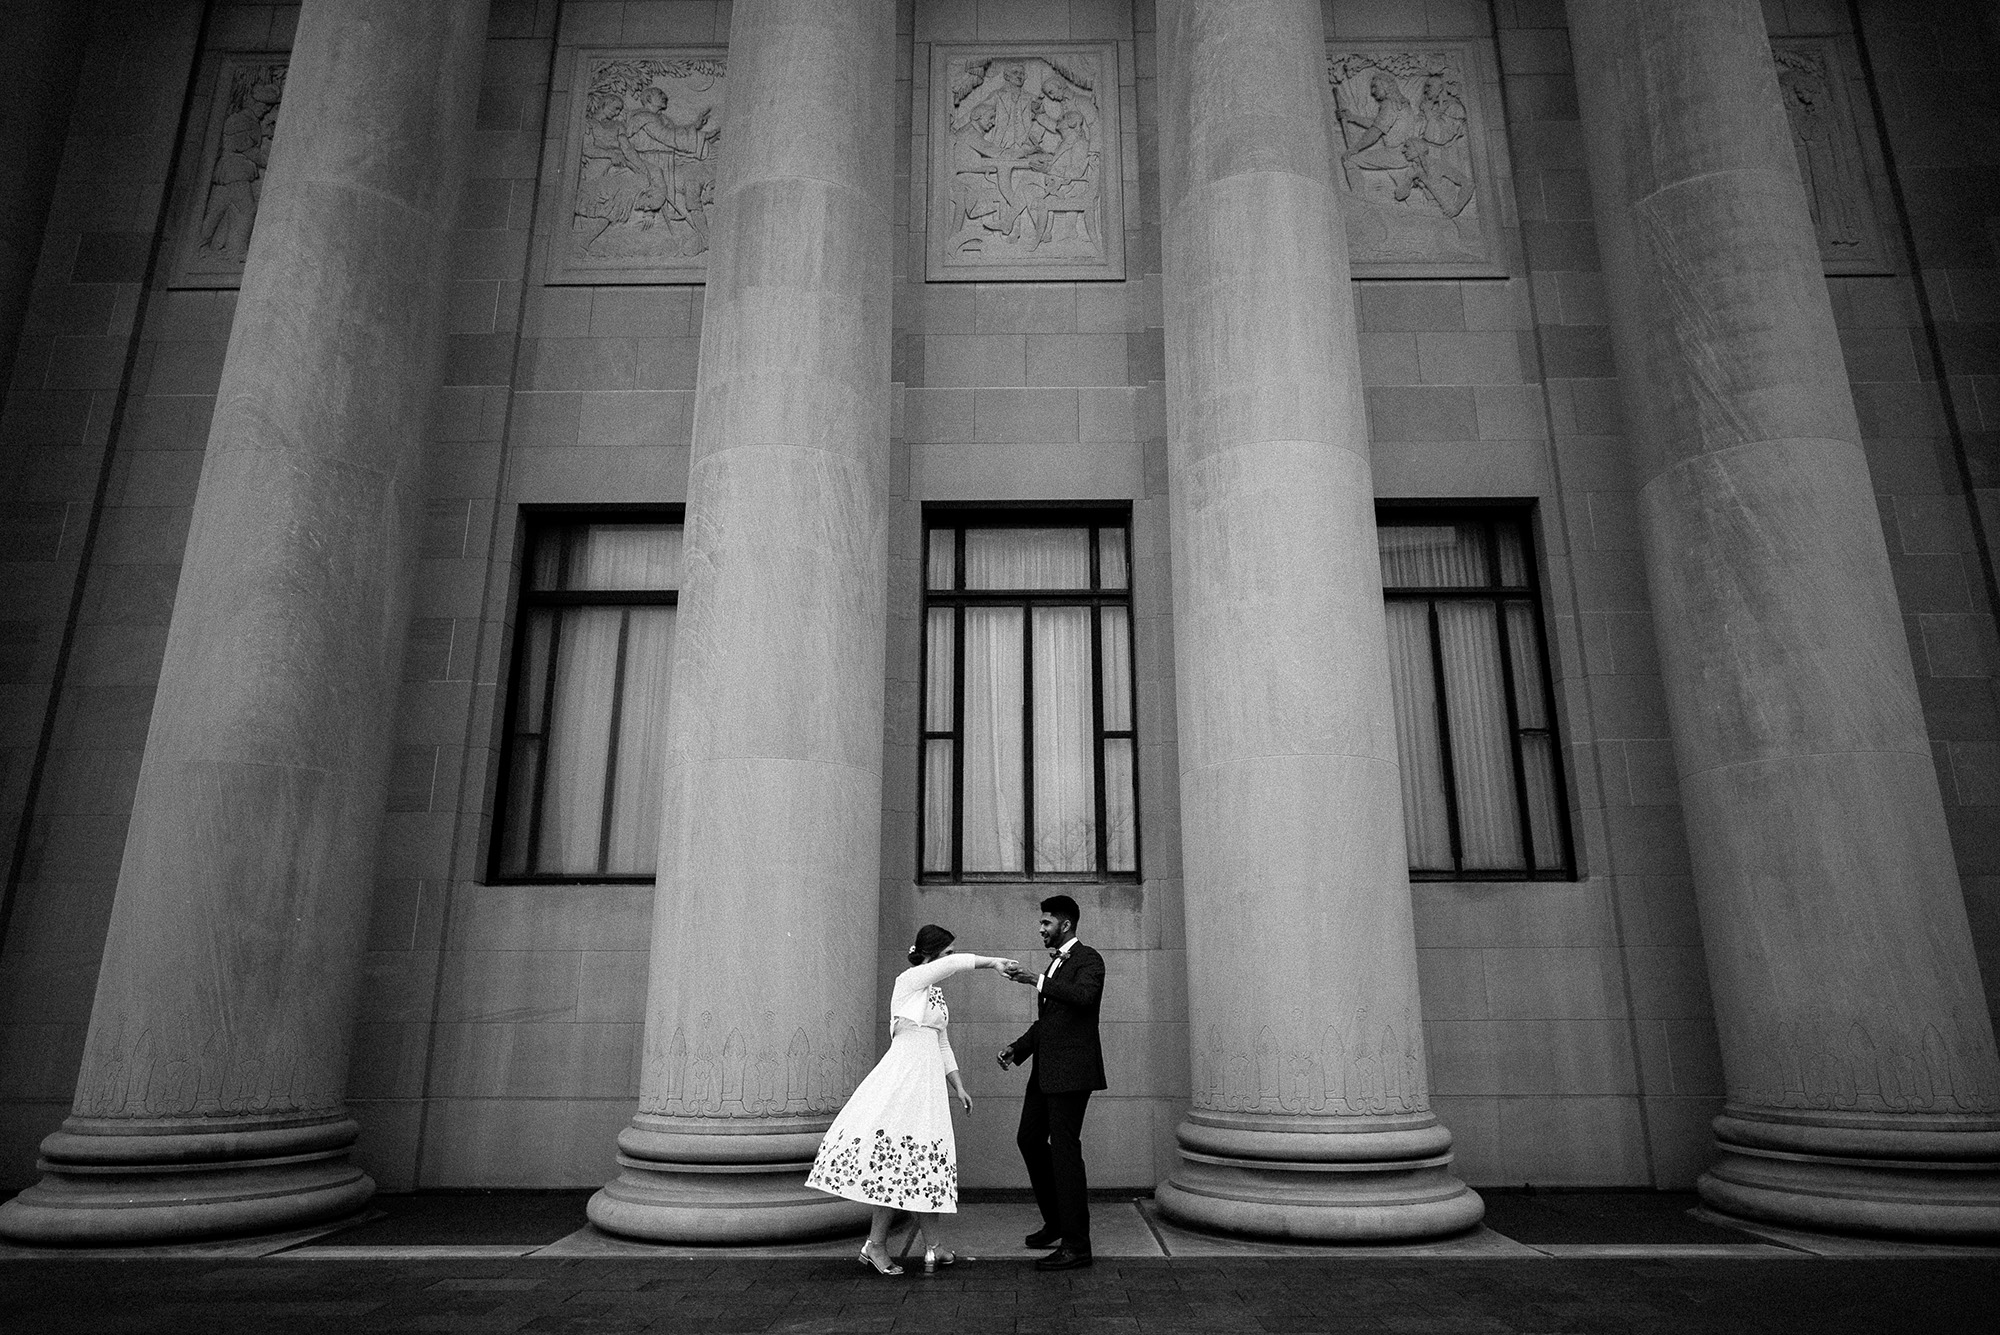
(545, 539)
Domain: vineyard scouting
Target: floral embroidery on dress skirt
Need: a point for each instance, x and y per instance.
(894, 1171)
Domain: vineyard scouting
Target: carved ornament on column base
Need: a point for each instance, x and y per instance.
(721, 1180)
(1322, 1179)
(1934, 1177)
(157, 1182)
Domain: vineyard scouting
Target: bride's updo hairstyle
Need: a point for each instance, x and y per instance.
(931, 940)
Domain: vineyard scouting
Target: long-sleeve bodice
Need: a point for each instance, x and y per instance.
(917, 1002)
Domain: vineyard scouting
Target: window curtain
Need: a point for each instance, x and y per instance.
(1481, 777)
(1027, 558)
(607, 705)
(1065, 737)
(1489, 810)
(996, 729)
(995, 835)
(1413, 683)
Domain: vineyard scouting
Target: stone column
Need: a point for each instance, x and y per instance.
(763, 1002)
(1862, 1085)
(1311, 1113)
(209, 1100)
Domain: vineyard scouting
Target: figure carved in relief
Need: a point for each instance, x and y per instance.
(1067, 126)
(988, 196)
(646, 178)
(236, 181)
(1815, 135)
(674, 159)
(1013, 109)
(1025, 164)
(1411, 147)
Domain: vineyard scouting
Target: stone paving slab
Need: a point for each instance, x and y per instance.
(1479, 1244)
(264, 1245)
(982, 1230)
(1161, 1296)
(1831, 1244)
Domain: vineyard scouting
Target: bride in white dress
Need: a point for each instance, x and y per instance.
(892, 1146)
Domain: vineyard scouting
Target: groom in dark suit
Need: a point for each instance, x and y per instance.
(1069, 1065)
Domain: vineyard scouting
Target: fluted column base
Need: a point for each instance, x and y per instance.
(1895, 1176)
(1318, 1179)
(721, 1180)
(110, 1184)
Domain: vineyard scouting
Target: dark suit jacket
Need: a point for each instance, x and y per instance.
(1063, 1041)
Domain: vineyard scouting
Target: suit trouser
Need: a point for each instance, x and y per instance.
(1051, 1141)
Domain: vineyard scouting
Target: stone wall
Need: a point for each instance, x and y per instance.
(100, 446)
(1923, 350)
(1569, 1025)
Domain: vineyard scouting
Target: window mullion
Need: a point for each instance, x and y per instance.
(958, 741)
(605, 812)
(1097, 724)
(536, 798)
(1028, 738)
(1520, 767)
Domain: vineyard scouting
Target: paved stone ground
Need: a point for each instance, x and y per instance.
(1552, 1262)
(1295, 1295)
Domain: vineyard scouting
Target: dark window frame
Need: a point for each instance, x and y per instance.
(1524, 514)
(959, 517)
(533, 523)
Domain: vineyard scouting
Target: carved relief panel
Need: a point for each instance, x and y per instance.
(1026, 171)
(1814, 83)
(1412, 123)
(638, 182)
(235, 148)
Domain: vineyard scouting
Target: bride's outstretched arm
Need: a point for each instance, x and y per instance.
(923, 975)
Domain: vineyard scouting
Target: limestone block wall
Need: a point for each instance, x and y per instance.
(1567, 1022)
(499, 1033)
(1569, 1027)
(100, 445)
(1923, 350)
(1044, 391)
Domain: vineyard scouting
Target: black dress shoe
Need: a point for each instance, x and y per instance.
(1043, 1237)
(1063, 1259)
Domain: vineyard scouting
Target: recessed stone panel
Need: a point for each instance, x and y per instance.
(1413, 120)
(235, 148)
(638, 168)
(1814, 81)
(1026, 174)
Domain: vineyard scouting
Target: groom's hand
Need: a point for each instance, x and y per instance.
(1006, 1058)
(1020, 975)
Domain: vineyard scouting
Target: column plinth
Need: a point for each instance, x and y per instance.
(693, 1178)
(1856, 1173)
(1858, 1057)
(1311, 1113)
(1318, 1178)
(209, 1101)
(762, 1004)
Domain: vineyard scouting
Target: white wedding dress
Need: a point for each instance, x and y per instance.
(892, 1143)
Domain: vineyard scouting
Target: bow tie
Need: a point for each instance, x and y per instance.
(1055, 955)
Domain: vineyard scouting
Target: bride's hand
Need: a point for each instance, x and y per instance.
(1007, 966)
(964, 1099)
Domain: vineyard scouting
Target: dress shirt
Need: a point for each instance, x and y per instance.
(1054, 964)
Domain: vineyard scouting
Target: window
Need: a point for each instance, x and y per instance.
(1475, 711)
(586, 719)
(1029, 753)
